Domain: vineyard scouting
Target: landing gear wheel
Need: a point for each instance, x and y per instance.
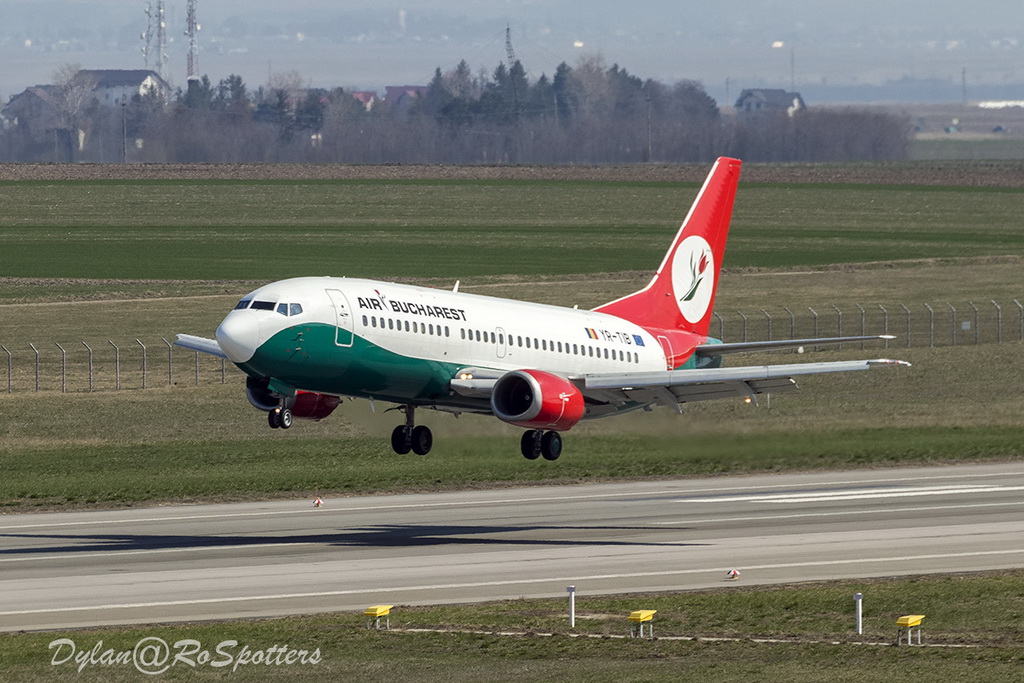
(551, 445)
(274, 419)
(285, 418)
(422, 440)
(529, 445)
(400, 441)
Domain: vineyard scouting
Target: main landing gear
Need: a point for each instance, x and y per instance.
(409, 437)
(280, 417)
(536, 443)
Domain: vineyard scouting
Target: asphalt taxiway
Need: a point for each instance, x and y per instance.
(74, 569)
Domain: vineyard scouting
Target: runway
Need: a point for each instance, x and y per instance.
(198, 562)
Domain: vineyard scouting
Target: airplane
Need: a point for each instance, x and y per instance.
(307, 343)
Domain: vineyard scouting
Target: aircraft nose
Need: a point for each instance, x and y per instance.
(239, 335)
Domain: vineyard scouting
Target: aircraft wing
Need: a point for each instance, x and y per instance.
(202, 344)
(672, 387)
(749, 347)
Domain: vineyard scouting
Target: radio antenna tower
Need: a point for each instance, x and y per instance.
(508, 46)
(161, 40)
(192, 32)
(147, 35)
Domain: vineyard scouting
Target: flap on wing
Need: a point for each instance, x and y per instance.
(715, 383)
(202, 344)
(710, 350)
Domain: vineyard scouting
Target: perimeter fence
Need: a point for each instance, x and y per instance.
(110, 365)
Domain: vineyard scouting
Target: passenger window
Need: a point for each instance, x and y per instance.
(501, 338)
(447, 332)
(365, 321)
(431, 328)
(527, 342)
(406, 325)
(463, 331)
(494, 338)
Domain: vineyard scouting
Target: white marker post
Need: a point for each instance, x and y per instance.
(858, 599)
(572, 605)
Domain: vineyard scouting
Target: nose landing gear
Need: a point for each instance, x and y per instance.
(280, 417)
(409, 436)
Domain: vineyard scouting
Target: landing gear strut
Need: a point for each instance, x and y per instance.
(409, 437)
(536, 443)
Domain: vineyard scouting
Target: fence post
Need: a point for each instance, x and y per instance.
(721, 331)
(170, 363)
(197, 368)
(814, 313)
(63, 369)
(223, 377)
(863, 323)
(999, 322)
(768, 315)
(1020, 307)
(931, 326)
(143, 362)
(10, 368)
(839, 323)
(971, 304)
(90, 364)
(744, 324)
(885, 323)
(907, 311)
(952, 318)
(792, 323)
(117, 365)
(37, 364)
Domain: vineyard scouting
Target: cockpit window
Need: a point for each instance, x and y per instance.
(263, 305)
(244, 303)
(289, 309)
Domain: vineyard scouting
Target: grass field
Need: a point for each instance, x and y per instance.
(792, 633)
(267, 230)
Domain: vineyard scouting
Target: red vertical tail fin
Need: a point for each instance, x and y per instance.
(681, 296)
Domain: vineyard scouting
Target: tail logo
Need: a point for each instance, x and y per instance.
(693, 277)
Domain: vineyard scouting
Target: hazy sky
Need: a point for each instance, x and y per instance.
(372, 43)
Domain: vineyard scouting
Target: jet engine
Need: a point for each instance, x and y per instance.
(537, 400)
(305, 405)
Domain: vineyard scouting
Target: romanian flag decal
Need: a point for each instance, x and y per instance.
(591, 333)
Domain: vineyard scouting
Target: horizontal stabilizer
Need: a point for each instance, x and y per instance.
(709, 350)
(210, 346)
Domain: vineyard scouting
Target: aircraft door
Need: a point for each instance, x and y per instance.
(501, 345)
(342, 316)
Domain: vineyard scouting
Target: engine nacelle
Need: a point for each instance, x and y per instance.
(537, 400)
(305, 405)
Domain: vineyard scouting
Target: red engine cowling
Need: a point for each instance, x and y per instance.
(537, 400)
(309, 405)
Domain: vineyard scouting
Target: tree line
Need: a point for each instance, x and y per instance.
(585, 114)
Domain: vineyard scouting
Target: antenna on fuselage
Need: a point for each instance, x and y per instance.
(456, 287)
